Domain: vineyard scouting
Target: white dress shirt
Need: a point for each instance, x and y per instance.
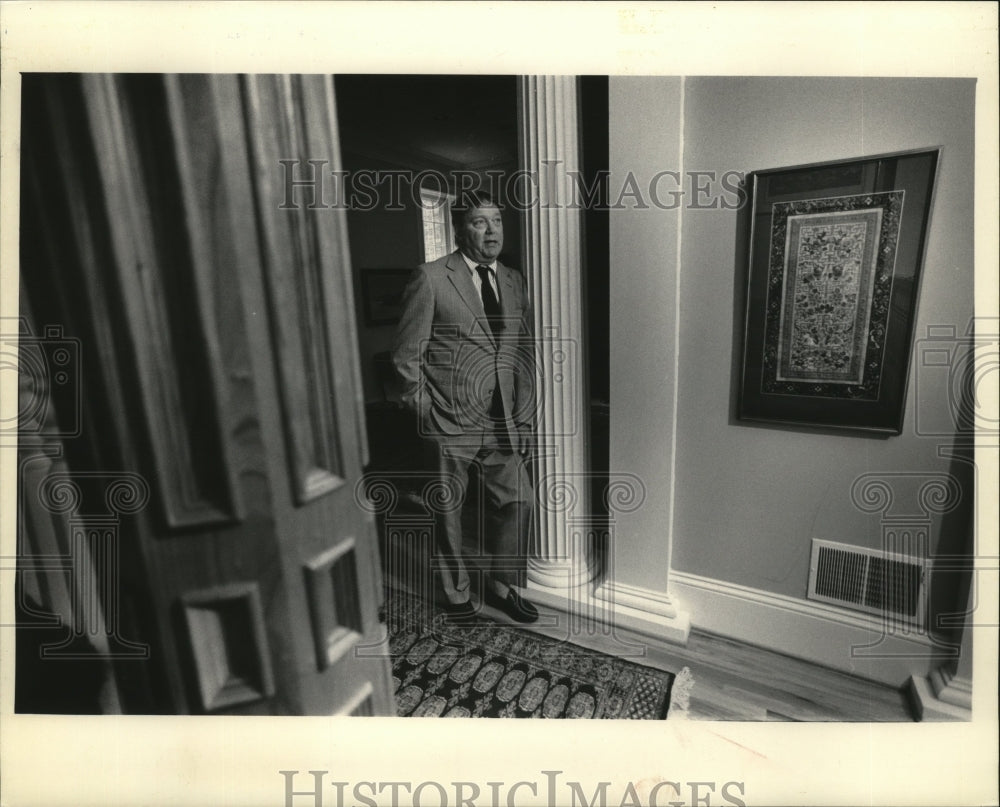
(476, 281)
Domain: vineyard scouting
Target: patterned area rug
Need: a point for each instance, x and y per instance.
(494, 670)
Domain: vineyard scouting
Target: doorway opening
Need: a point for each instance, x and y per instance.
(409, 144)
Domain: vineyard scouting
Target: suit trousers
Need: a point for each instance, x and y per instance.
(504, 517)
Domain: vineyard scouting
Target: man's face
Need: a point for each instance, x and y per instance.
(481, 234)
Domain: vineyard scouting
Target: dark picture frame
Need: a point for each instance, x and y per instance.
(835, 259)
(382, 295)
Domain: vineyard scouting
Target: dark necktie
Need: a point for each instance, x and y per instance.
(490, 303)
(492, 308)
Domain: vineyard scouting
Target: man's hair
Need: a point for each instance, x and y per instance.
(469, 200)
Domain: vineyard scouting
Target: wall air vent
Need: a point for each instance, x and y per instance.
(892, 586)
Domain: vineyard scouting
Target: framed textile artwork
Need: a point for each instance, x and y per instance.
(835, 257)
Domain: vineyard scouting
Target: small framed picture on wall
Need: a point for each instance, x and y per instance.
(382, 295)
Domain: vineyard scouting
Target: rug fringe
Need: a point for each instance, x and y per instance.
(680, 695)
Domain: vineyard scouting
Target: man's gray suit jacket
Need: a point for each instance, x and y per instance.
(449, 359)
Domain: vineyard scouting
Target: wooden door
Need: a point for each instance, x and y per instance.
(219, 364)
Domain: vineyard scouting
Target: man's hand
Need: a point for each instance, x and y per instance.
(526, 441)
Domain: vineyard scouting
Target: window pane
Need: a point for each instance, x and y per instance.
(438, 239)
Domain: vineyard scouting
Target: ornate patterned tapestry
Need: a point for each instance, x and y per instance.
(829, 284)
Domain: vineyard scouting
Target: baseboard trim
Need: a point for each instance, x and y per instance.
(929, 708)
(637, 599)
(856, 644)
(654, 617)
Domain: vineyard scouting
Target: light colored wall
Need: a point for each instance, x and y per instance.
(644, 138)
(748, 499)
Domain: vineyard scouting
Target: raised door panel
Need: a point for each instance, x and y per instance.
(226, 344)
(308, 354)
(166, 284)
(298, 293)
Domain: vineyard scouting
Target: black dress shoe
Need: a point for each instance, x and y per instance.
(515, 606)
(461, 613)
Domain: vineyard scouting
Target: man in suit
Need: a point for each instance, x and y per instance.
(463, 352)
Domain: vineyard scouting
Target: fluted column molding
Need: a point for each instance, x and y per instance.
(553, 262)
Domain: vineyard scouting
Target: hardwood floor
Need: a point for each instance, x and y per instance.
(737, 681)
(732, 680)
